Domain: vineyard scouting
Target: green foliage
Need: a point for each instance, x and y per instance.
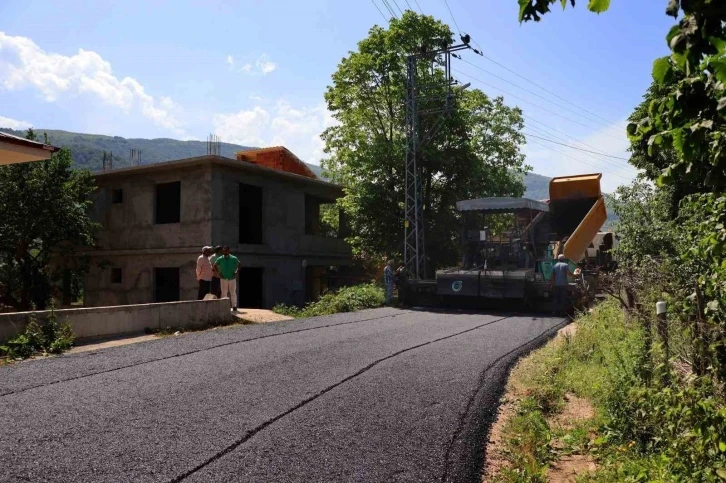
(347, 299)
(534, 9)
(633, 204)
(667, 428)
(476, 153)
(528, 445)
(703, 278)
(52, 337)
(43, 211)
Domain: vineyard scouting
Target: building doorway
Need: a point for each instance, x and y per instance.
(251, 288)
(166, 284)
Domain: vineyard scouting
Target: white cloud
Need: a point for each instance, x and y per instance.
(298, 129)
(243, 127)
(13, 123)
(264, 64)
(24, 64)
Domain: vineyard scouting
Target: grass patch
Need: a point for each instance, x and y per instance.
(649, 424)
(51, 337)
(347, 299)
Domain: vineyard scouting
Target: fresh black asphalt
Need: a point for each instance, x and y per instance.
(379, 395)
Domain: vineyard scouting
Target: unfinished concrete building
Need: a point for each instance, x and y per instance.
(156, 218)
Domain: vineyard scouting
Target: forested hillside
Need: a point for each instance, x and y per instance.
(87, 152)
(87, 149)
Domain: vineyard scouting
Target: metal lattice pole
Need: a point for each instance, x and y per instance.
(414, 251)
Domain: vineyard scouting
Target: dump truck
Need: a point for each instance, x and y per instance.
(509, 246)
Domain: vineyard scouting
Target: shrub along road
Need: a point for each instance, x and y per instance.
(377, 395)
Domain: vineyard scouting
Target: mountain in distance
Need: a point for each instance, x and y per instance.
(87, 151)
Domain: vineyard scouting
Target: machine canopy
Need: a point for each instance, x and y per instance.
(502, 205)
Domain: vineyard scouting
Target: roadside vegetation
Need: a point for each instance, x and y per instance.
(44, 212)
(656, 386)
(648, 422)
(347, 299)
(51, 337)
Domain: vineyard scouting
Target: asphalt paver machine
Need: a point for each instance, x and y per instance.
(509, 246)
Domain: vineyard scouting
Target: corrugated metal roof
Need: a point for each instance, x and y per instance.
(502, 205)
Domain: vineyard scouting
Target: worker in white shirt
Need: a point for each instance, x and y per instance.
(204, 273)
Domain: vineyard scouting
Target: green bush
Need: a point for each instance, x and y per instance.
(52, 337)
(348, 299)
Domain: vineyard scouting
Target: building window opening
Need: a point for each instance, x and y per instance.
(166, 284)
(116, 275)
(322, 217)
(250, 214)
(168, 203)
(117, 196)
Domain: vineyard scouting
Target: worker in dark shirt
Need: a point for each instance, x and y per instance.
(560, 272)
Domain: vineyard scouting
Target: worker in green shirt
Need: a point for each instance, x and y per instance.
(226, 268)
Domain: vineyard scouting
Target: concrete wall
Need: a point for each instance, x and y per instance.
(137, 282)
(105, 321)
(284, 243)
(130, 225)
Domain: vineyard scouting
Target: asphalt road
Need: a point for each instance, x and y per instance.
(380, 395)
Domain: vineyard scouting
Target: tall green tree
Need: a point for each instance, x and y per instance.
(475, 154)
(43, 212)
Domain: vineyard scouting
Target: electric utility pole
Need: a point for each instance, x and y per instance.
(437, 60)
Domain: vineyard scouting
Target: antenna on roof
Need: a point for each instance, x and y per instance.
(107, 162)
(135, 157)
(214, 145)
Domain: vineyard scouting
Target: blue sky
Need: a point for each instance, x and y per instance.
(255, 72)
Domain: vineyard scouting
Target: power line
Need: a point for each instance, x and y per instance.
(452, 16)
(409, 6)
(532, 103)
(543, 88)
(609, 122)
(545, 133)
(396, 4)
(558, 131)
(579, 160)
(419, 7)
(379, 10)
(389, 8)
(575, 147)
(608, 126)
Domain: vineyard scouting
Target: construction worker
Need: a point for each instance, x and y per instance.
(388, 281)
(560, 272)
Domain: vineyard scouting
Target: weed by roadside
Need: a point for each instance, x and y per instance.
(51, 337)
(347, 299)
(648, 424)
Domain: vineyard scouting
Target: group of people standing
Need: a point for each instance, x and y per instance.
(217, 274)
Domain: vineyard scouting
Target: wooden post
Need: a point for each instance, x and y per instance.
(661, 312)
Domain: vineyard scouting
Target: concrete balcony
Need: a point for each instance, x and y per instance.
(322, 246)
